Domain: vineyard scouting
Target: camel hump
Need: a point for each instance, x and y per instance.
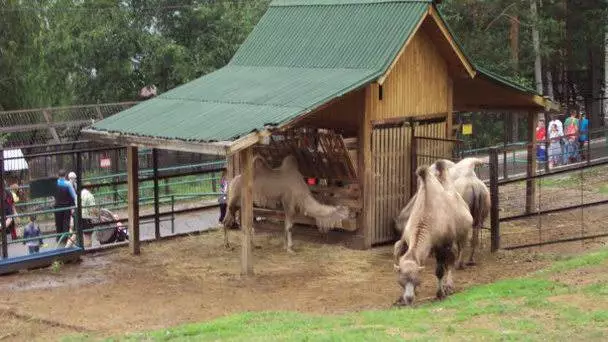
(422, 172)
(289, 163)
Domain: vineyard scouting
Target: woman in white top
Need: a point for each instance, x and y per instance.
(555, 148)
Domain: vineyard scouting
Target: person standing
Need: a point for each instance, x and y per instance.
(583, 130)
(571, 134)
(554, 147)
(32, 231)
(223, 198)
(9, 209)
(541, 136)
(89, 214)
(65, 197)
(560, 130)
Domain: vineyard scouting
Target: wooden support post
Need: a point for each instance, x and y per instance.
(2, 202)
(133, 198)
(531, 164)
(247, 212)
(494, 221)
(366, 174)
(156, 203)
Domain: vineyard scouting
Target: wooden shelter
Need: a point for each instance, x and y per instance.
(342, 84)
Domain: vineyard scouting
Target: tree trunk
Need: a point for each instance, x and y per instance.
(596, 86)
(538, 73)
(514, 42)
(550, 85)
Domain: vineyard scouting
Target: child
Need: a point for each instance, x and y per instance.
(223, 196)
(32, 231)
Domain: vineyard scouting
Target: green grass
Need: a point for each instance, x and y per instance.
(521, 309)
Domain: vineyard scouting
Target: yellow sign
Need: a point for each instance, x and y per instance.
(467, 129)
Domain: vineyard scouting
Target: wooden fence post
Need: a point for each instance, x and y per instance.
(247, 212)
(494, 221)
(78, 220)
(531, 164)
(156, 204)
(133, 198)
(2, 216)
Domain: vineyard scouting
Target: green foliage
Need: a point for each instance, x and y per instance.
(88, 51)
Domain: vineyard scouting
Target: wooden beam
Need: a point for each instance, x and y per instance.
(382, 78)
(531, 163)
(215, 148)
(448, 36)
(247, 141)
(133, 198)
(247, 212)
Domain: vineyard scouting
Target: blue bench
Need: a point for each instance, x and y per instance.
(38, 260)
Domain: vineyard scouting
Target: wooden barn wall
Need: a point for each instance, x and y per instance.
(341, 115)
(417, 85)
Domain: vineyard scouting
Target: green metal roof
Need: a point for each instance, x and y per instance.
(297, 58)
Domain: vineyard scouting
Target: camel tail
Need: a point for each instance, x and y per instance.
(479, 209)
(326, 216)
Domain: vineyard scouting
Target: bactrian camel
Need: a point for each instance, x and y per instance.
(474, 192)
(283, 186)
(439, 224)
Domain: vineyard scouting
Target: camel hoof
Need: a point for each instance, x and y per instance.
(471, 263)
(440, 294)
(290, 251)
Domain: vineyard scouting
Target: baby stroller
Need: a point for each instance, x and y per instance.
(115, 232)
(110, 233)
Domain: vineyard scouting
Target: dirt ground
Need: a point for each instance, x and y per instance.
(195, 278)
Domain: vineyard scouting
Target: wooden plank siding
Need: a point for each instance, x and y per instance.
(418, 85)
(390, 158)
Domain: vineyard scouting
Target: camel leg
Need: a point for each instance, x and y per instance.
(445, 262)
(474, 243)
(460, 257)
(288, 238)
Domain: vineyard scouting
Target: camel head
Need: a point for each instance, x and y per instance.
(409, 279)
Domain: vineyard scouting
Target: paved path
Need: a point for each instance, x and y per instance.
(184, 223)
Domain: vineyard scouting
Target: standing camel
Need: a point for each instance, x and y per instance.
(439, 224)
(474, 192)
(284, 186)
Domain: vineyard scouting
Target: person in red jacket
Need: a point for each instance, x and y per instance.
(541, 137)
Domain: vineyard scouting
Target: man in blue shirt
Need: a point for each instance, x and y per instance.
(583, 129)
(65, 197)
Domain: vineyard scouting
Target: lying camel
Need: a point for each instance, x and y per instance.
(439, 223)
(473, 191)
(283, 186)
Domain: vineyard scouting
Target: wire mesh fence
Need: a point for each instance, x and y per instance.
(23, 128)
(563, 205)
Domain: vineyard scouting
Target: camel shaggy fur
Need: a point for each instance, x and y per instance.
(474, 192)
(285, 187)
(439, 224)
